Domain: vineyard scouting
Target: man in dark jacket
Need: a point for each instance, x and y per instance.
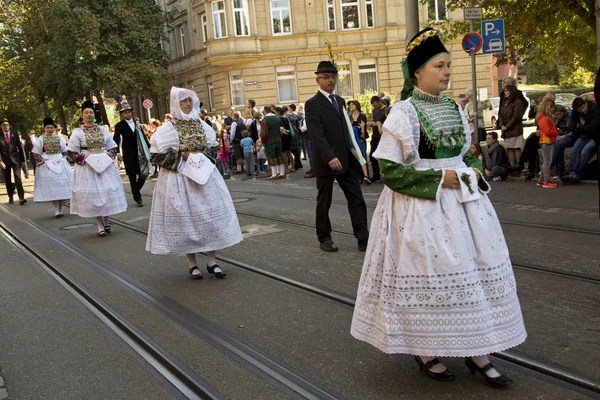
(495, 159)
(11, 158)
(332, 159)
(584, 122)
(131, 140)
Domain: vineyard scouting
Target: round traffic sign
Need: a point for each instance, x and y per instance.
(472, 42)
(147, 104)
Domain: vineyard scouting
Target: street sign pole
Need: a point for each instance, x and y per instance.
(474, 84)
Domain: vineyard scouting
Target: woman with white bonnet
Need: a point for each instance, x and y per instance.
(192, 210)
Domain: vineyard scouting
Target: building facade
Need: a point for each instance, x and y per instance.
(230, 51)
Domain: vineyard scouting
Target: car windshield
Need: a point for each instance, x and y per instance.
(565, 99)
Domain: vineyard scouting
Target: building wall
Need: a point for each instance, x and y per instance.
(257, 56)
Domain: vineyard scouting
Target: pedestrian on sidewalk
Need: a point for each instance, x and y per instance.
(223, 163)
(192, 210)
(333, 158)
(135, 151)
(11, 158)
(437, 278)
(53, 178)
(97, 190)
(548, 133)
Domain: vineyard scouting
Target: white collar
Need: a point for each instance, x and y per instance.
(326, 94)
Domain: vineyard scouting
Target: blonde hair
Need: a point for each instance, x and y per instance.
(545, 108)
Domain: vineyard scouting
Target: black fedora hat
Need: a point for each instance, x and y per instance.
(326, 66)
(4, 120)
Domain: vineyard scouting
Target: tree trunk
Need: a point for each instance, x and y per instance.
(61, 116)
(102, 108)
(45, 108)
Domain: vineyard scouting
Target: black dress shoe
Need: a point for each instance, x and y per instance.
(195, 276)
(11, 201)
(328, 246)
(23, 201)
(438, 376)
(218, 274)
(107, 228)
(140, 203)
(499, 381)
(362, 245)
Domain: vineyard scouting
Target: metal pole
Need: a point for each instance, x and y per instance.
(474, 84)
(148, 115)
(411, 18)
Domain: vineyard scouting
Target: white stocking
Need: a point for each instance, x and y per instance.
(211, 258)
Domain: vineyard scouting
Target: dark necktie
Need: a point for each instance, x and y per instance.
(335, 104)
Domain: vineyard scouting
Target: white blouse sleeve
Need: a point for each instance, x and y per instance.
(75, 141)
(37, 145)
(109, 143)
(211, 136)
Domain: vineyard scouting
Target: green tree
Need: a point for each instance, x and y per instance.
(71, 49)
(558, 31)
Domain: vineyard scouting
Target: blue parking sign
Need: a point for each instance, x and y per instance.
(492, 32)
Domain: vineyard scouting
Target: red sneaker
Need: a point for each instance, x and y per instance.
(549, 185)
(540, 183)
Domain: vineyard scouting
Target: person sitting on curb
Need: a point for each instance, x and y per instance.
(495, 159)
(584, 119)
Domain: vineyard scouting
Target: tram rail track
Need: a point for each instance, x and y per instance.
(187, 317)
(271, 370)
(180, 376)
(502, 221)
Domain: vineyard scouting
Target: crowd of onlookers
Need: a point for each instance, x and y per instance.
(557, 129)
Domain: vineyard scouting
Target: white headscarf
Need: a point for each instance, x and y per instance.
(178, 94)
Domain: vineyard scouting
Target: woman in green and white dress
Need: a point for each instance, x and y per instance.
(437, 279)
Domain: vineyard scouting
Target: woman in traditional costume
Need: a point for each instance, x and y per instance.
(53, 173)
(192, 210)
(437, 279)
(97, 190)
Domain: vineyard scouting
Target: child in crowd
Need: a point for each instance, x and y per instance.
(547, 138)
(261, 156)
(223, 157)
(476, 151)
(248, 146)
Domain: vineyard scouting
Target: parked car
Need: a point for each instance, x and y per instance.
(565, 99)
(589, 96)
(490, 112)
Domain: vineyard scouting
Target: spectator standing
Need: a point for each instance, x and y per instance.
(27, 148)
(377, 126)
(248, 146)
(359, 123)
(495, 159)
(296, 135)
(510, 117)
(585, 123)
(235, 133)
(286, 141)
(223, 156)
(261, 157)
(333, 159)
(548, 133)
(469, 109)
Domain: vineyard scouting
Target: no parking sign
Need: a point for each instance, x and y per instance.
(472, 42)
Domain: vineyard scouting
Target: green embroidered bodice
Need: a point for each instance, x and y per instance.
(51, 144)
(94, 138)
(191, 135)
(440, 122)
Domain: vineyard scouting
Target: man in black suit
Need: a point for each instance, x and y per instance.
(12, 156)
(127, 135)
(332, 158)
